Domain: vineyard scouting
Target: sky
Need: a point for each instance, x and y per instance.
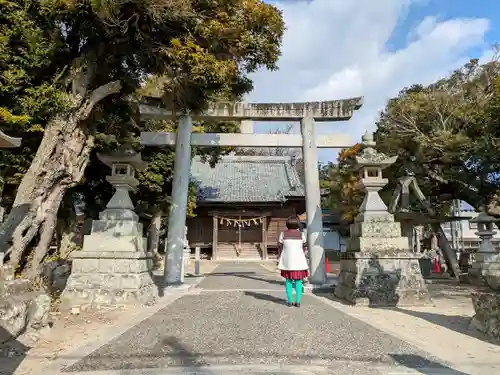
(336, 49)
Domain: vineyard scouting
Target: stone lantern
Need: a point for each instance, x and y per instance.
(114, 267)
(485, 271)
(379, 269)
(370, 165)
(486, 252)
(119, 220)
(123, 165)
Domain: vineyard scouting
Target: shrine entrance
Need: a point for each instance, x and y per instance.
(306, 113)
(240, 238)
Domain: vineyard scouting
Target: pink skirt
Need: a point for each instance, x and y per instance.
(294, 275)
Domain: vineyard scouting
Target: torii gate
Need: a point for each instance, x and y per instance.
(306, 113)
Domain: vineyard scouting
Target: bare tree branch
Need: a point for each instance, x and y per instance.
(99, 94)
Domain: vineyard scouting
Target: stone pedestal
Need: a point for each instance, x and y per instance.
(378, 268)
(101, 279)
(487, 307)
(486, 255)
(114, 268)
(486, 300)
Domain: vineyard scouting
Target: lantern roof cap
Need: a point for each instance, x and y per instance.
(483, 217)
(7, 141)
(124, 155)
(370, 157)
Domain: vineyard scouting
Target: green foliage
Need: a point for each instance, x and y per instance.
(447, 135)
(27, 100)
(56, 55)
(340, 179)
(201, 50)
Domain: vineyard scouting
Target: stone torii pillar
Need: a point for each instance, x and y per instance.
(306, 113)
(314, 217)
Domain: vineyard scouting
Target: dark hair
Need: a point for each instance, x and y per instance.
(293, 222)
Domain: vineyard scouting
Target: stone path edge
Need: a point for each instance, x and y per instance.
(74, 355)
(375, 321)
(269, 369)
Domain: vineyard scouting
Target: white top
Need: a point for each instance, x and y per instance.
(292, 256)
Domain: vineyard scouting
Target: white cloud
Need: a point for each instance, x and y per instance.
(488, 55)
(335, 49)
(424, 28)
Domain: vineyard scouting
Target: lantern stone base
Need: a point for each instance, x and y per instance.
(378, 270)
(102, 242)
(487, 312)
(474, 274)
(109, 279)
(382, 280)
(489, 268)
(117, 229)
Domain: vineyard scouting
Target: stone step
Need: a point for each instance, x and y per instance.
(234, 249)
(241, 253)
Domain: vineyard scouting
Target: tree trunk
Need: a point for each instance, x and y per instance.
(70, 234)
(154, 235)
(58, 165)
(448, 253)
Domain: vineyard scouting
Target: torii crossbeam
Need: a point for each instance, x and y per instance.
(306, 113)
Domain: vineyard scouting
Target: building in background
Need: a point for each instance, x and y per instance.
(333, 240)
(462, 234)
(243, 205)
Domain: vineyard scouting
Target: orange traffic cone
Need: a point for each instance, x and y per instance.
(437, 268)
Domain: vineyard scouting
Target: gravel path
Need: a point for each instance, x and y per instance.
(242, 276)
(238, 318)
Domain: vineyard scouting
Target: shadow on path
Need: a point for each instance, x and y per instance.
(243, 275)
(455, 323)
(330, 296)
(192, 363)
(189, 359)
(178, 356)
(423, 365)
(266, 297)
(12, 353)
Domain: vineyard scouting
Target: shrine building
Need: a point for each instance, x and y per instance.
(243, 204)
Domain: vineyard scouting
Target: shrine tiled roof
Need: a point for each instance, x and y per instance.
(247, 179)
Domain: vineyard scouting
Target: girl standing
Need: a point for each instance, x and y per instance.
(292, 259)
